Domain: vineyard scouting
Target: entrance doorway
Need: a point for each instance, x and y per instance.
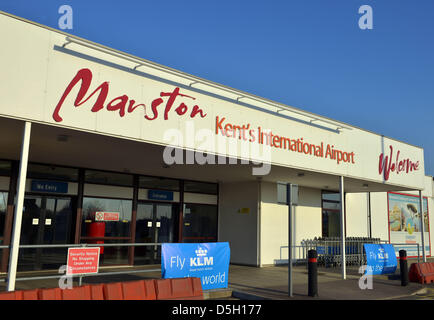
(331, 214)
(46, 220)
(155, 223)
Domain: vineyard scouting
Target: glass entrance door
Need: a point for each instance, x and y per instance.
(46, 220)
(155, 223)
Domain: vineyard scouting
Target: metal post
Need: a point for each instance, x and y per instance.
(422, 225)
(312, 286)
(289, 201)
(16, 232)
(342, 198)
(403, 267)
(80, 195)
(369, 216)
(131, 249)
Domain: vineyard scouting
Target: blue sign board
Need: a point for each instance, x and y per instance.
(160, 195)
(381, 258)
(320, 250)
(207, 261)
(49, 186)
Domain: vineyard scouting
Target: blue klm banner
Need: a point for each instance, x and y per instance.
(207, 261)
(381, 258)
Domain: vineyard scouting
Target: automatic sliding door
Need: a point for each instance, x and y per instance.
(165, 225)
(155, 223)
(46, 220)
(144, 234)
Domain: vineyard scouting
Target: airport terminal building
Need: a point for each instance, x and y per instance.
(117, 149)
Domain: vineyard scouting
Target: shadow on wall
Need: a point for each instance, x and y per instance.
(298, 252)
(307, 197)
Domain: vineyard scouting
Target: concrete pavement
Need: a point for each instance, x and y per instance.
(269, 282)
(272, 283)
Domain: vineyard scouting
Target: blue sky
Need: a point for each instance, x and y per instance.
(309, 54)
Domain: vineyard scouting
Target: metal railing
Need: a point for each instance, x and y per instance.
(410, 244)
(81, 245)
(329, 250)
(299, 254)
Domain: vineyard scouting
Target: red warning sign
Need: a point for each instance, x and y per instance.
(106, 216)
(82, 260)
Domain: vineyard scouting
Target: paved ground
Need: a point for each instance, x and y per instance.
(272, 283)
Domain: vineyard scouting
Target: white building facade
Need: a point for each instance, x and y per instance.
(176, 158)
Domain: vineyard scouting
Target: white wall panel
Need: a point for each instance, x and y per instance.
(357, 214)
(200, 198)
(274, 222)
(98, 190)
(143, 195)
(239, 229)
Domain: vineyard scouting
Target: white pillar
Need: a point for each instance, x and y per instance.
(289, 201)
(422, 225)
(369, 216)
(342, 198)
(16, 232)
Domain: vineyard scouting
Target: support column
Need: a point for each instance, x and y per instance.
(289, 201)
(133, 220)
(422, 225)
(342, 198)
(9, 216)
(369, 216)
(79, 215)
(16, 232)
(181, 211)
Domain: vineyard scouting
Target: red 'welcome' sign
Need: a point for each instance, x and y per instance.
(82, 260)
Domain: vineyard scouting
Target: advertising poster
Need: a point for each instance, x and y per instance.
(207, 261)
(405, 223)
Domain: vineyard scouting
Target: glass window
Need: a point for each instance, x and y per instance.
(114, 224)
(331, 212)
(5, 168)
(39, 171)
(331, 224)
(200, 223)
(331, 205)
(110, 256)
(155, 223)
(281, 193)
(158, 183)
(102, 177)
(200, 187)
(3, 208)
(332, 196)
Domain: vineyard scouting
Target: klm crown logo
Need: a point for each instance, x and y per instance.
(201, 252)
(201, 259)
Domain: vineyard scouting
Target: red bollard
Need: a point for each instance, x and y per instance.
(403, 267)
(312, 273)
